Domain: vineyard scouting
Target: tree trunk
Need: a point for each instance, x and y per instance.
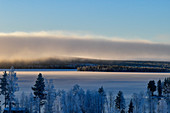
(39, 106)
(10, 106)
(5, 99)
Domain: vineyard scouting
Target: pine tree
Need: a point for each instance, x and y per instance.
(120, 101)
(4, 88)
(159, 88)
(131, 107)
(152, 86)
(39, 90)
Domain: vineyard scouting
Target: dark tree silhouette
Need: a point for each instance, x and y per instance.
(166, 86)
(101, 90)
(131, 107)
(122, 111)
(39, 89)
(120, 101)
(102, 98)
(152, 86)
(159, 88)
(4, 88)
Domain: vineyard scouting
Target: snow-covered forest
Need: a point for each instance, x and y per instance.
(44, 98)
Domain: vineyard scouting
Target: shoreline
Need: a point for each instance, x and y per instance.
(40, 69)
(75, 70)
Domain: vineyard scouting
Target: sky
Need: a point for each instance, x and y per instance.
(112, 29)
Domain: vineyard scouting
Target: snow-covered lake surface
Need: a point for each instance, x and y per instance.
(127, 82)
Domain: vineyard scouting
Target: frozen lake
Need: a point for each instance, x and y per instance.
(127, 82)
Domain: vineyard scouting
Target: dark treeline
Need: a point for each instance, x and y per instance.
(117, 68)
(74, 63)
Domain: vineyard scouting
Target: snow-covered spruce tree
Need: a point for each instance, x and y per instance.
(4, 88)
(162, 106)
(16, 103)
(110, 102)
(159, 88)
(120, 101)
(131, 107)
(80, 96)
(96, 107)
(12, 87)
(30, 103)
(50, 97)
(63, 101)
(136, 102)
(77, 96)
(22, 100)
(166, 86)
(142, 100)
(93, 102)
(149, 101)
(139, 102)
(166, 92)
(27, 104)
(88, 102)
(39, 91)
(152, 102)
(73, 101)
(57, 103)
(122, 111)
(102, 99)
(152, 86)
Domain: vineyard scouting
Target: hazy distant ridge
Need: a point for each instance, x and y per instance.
(74, 63)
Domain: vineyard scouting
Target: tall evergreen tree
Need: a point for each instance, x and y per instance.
(131, 107)
(159, 88)
(30, 103)
(122, 111)
(110, 102)
(166, 86)
(4, 88)
(102, 99)
(39, 90)
(12, 88)
(166, 91)
(120, 101)
(101, 90)
(152, 86)
(51, 96)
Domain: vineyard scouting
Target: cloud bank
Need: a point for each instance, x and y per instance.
(38, 45)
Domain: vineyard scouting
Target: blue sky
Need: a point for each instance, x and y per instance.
(129, 19)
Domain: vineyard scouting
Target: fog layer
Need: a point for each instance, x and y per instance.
(14, 46)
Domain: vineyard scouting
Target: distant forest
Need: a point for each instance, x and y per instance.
(83, 64)
(116, 68)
